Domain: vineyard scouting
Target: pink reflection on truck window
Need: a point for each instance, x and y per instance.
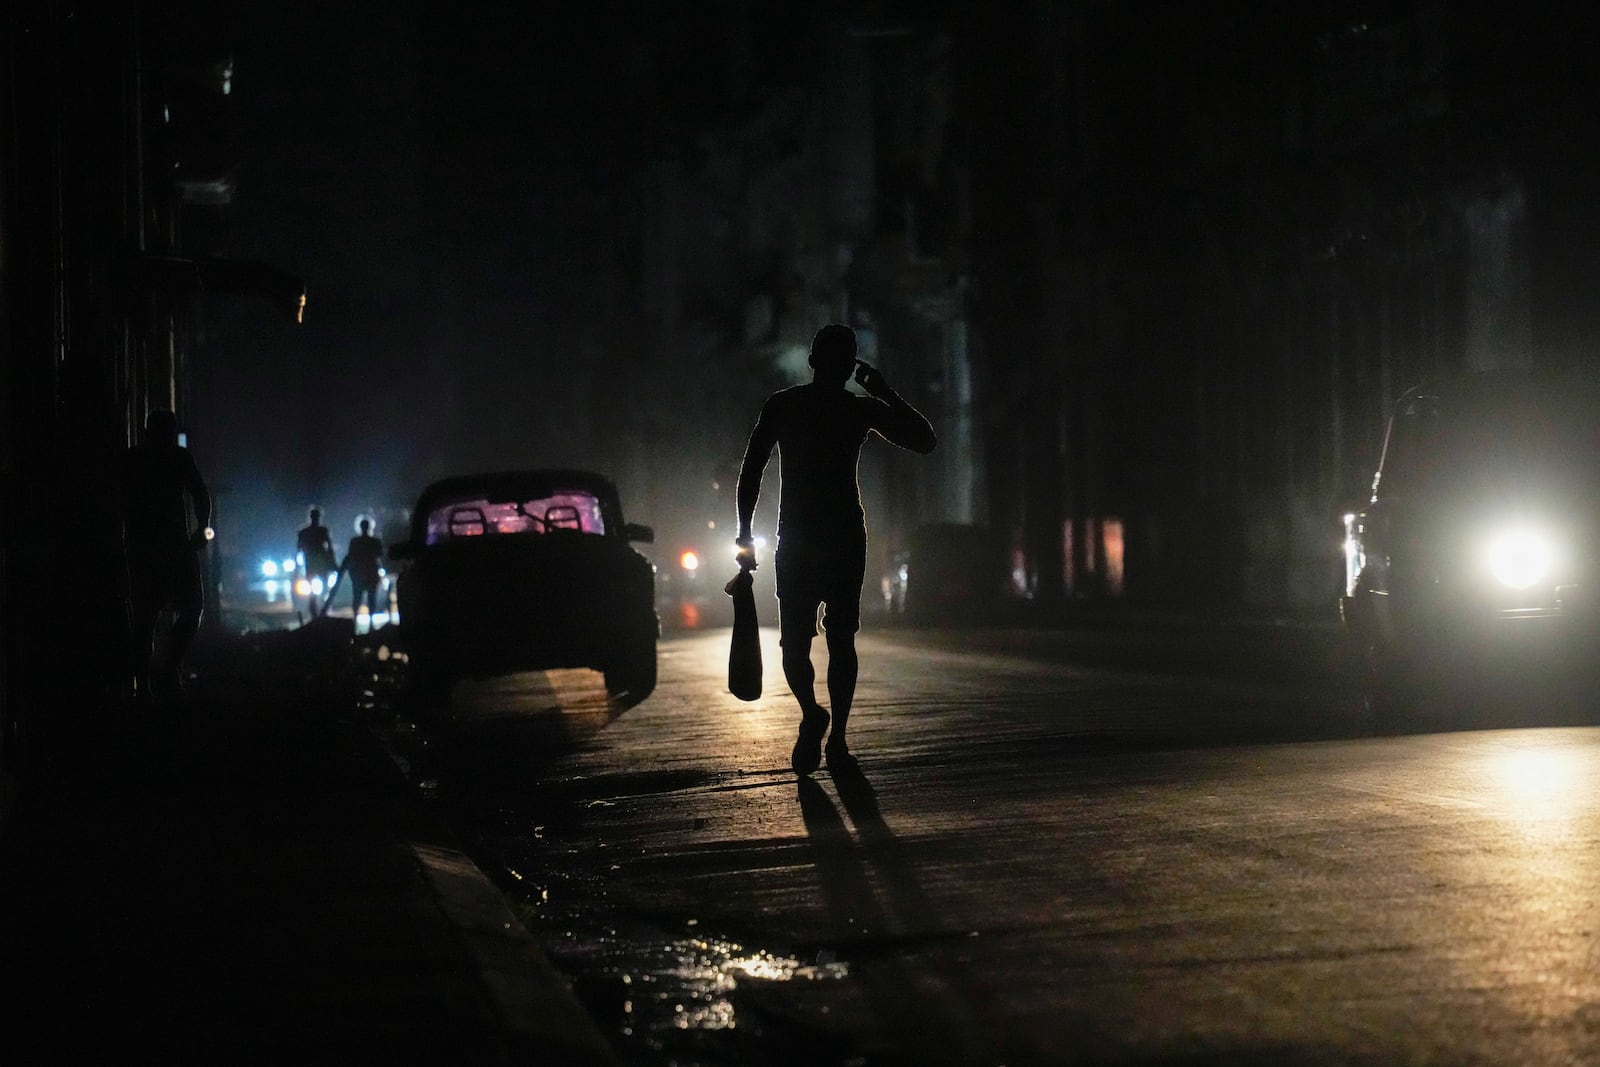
(576, 511)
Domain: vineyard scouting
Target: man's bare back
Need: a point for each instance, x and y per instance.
(819, 429)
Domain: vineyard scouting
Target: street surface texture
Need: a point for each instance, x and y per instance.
(1155, 846)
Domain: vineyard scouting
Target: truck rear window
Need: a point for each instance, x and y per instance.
(576, 511)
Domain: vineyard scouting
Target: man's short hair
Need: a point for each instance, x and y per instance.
(161, 424)
(833, 348)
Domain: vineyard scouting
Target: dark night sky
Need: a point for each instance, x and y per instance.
(444, 176)
(350, 124)
(447, 179)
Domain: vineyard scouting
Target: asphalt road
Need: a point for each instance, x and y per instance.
(1154, 846)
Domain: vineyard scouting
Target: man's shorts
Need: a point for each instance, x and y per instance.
(813, 574)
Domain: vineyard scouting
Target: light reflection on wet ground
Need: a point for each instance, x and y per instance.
(1069, 865)
(698, 977)
(657, 993)
(663, 988)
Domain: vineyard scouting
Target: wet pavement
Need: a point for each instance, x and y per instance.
(1140, 842)
(1135, 847)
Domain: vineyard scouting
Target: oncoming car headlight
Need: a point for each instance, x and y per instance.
(1519, 558)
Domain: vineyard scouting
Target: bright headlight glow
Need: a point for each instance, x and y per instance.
(1519, 558)
(269, 568)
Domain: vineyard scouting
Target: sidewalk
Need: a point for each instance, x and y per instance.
(258, 884)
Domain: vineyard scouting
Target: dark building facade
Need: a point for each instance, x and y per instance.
(1212, 244)
(116, 146)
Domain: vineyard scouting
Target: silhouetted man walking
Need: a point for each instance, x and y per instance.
(160, 487)
(819, 429)
(362, 563)
(315, 546)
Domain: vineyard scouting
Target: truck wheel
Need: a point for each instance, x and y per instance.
(632, 676)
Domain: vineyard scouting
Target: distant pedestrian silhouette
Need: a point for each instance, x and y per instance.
(315, 547)
(161, 490)
(362, 563)
(818, 429)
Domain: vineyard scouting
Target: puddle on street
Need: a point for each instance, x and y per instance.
(663, 991)
(689, 984)
(663, 998)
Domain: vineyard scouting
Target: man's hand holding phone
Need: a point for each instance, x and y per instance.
(871, 379)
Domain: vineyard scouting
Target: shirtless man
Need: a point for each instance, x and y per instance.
(818, 429)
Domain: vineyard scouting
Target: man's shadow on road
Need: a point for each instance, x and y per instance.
(902, 950)
(847, 863)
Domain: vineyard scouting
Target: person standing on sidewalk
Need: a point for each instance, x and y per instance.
(161, 486)
(818, 429)
(318, 564)
(363, 563)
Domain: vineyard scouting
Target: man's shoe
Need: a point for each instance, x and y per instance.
(807, 754)
(841, 761)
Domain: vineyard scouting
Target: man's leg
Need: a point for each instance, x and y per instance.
(798, 670)
(797, 625)
(366, 592)
(189, 597)
(145, 607)
(842, 669)
(840, 623)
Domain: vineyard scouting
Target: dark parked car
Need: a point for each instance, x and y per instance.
(1479, 545)
(525, 570)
